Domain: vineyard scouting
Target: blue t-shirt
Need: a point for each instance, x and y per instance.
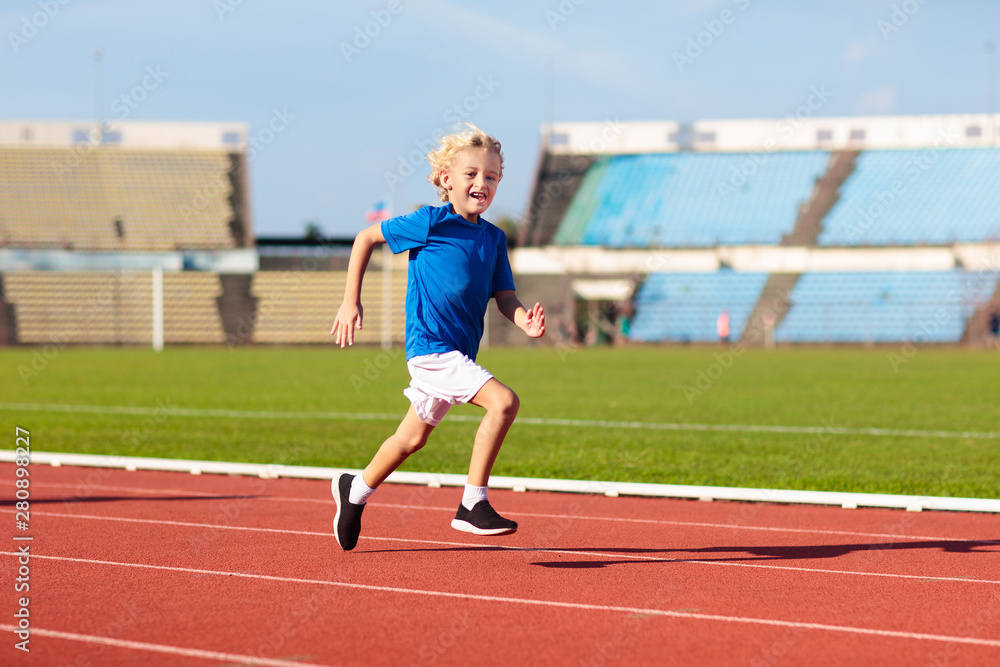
(455, 267)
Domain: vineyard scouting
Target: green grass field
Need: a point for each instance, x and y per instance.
(933, 389)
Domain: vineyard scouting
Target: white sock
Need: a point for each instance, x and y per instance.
(360, 492)
(472, 495)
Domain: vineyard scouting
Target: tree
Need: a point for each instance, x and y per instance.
(509, 227)
(313, 232)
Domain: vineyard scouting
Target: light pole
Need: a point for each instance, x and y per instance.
(991, 76)
(98, 89)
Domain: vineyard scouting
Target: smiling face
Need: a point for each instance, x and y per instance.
(471, 180)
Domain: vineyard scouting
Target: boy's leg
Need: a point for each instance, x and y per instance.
(475, 514)
(410, 435)
(501, 405)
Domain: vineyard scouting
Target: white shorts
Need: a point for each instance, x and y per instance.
(439, 381)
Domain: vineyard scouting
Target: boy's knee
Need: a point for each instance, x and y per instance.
(410, 443)
(508, 404)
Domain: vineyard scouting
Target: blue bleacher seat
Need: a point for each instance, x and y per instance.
(691, 199)
(684, 307)
(918, 197)
(922, 306)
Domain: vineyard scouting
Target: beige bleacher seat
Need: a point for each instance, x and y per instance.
(300, 306)
(190, 309)
(104, 307)
(71, 198)
(80, 307)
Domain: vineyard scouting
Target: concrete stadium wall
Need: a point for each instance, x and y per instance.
(554, 260)
(134, 134)
(800, 129)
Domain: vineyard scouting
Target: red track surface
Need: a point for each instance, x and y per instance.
(172, 569)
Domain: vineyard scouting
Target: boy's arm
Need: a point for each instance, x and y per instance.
(350, 314)
(532, 322)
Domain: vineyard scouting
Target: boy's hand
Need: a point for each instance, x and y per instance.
(534, 321)
(348, 317)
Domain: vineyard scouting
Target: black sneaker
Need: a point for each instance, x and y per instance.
(482, 519)
(347, 522)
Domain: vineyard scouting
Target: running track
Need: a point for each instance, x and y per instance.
(159, 568)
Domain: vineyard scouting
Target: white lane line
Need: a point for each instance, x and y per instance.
(564, 517)
(898, 634)
(540, 550)
(232, 658)
(158, 491)
(534, 421)
(695, 524)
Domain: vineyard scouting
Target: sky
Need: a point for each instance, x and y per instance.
(360, 89)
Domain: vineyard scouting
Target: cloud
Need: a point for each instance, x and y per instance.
(856, 52)
(878, 101)
(864, 49)
(490, 33)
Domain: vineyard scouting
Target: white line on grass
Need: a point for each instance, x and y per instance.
(501, 547)
(897, 634)
(232, 658)
(534, 421)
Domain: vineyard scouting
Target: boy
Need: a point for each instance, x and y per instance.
(457, 261)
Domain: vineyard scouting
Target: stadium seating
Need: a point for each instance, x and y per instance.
(111, 198)
(300, 306)
(684, 307)
(101, 307)
(691, 199)
(884, 306)
(918, 197)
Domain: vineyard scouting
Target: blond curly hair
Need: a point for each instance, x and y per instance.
(451, 145)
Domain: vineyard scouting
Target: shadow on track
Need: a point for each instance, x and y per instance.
(766, 554)
(636, 556)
